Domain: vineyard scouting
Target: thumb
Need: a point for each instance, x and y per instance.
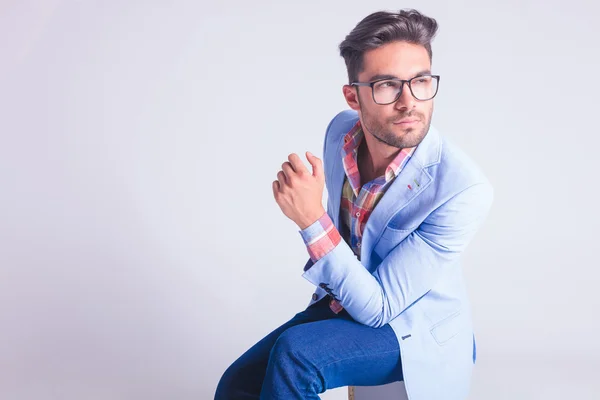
(316, 163)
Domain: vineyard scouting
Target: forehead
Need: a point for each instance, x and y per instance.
(400, 59)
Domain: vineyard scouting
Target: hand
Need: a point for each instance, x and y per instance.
(298, 192)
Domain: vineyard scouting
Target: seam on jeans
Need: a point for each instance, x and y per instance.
(320, 369)
(350, 358)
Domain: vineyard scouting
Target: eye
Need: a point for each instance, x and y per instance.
(387, 84)
(422, 79)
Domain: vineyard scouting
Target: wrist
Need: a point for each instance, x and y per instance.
(306, 222)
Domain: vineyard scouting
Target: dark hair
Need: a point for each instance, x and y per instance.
(383, 27)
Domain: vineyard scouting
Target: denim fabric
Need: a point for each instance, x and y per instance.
(316, 350)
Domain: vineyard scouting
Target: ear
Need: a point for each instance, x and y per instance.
(351, 96)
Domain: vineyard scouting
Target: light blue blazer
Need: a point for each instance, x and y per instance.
(409, 274)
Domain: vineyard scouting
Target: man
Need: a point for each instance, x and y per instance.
(390, 302)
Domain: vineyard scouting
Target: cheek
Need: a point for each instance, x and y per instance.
(372, 112)
(427, 110)
(386, 114)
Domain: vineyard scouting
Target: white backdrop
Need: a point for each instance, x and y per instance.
(141, 249)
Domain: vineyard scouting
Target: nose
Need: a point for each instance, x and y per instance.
(406, 99)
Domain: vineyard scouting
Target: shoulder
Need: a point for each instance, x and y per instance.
(460, 193)
(456, 173)
(457, 165)
(340, 124)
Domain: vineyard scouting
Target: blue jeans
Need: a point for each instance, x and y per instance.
(314, 351)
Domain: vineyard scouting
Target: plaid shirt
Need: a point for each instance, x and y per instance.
(357, 203)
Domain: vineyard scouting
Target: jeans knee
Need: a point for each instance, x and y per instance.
(293, 347)
(285, 346)
(293, 359)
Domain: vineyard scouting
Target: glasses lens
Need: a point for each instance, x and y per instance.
(424, 87)
(387, 91)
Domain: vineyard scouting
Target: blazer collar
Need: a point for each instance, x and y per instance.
(410, 183)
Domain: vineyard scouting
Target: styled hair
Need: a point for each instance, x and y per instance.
(383, 27)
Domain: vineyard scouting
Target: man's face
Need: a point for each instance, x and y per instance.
(400, 60)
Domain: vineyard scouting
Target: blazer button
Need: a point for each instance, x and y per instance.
(315, 296)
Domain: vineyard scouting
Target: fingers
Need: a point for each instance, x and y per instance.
(282, 179)
(316, 163)
(296, 163)
(295, 166)
(287, 168)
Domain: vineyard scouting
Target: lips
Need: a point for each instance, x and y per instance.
(406, 121)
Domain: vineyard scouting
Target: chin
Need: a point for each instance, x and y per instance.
(405, 131)
(409, 136)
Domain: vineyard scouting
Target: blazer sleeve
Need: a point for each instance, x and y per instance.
(411, 268)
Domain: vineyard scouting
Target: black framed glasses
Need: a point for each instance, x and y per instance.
(387, 91)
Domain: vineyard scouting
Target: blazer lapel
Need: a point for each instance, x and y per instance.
(408, 185)
(412, 180)
(336, 180)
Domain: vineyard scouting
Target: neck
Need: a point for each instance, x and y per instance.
(374, 157)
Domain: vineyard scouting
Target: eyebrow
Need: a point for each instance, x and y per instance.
(388, 76)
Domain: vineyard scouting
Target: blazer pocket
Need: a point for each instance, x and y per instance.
(389, 239)
(395, 235)
(447, 328)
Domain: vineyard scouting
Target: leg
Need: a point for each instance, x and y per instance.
(243, 379)
(310, 358)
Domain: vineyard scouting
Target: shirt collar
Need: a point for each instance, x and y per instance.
(352, 141)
